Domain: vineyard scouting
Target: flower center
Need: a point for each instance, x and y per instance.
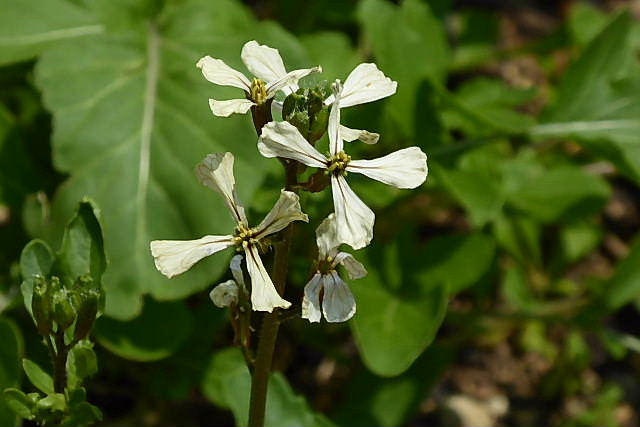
(324, 265)
(245, 236)
(337, 164)
(258, 91)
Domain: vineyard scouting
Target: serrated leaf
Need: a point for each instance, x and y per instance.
(397, 314)
(131, 121)
(36, 260)
(598, 101)
(82, 250)
(39, 378)
(10, 353)
(29, 27)
(564, 193)
(227, 383)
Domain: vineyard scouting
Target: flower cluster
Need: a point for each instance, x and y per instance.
(352, 221)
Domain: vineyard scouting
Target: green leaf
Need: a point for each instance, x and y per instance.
(39, 378)
(459, 260)
(334, 51)
(131, 121)
(142, 339)
(81, 363)
(483, 106)
(53, 402)
(564, 193)
(20, 403)
(83, 414)
(10, 354)
(481, 196)
(520, 235)
(409, 44)
(624, 286)
(28, 27)
(36, 260)
(398, 313)
(82, 250)
(585, 22)
(598, 102)
(227, 383)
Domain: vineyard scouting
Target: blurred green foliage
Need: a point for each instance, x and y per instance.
(520, 252)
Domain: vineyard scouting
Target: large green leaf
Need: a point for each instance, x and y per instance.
(227, 384)
(10, 354)
(563, 193)
(29, 27)
(399, 312)
(409, 45)
(598, 102)
(144, 339)
(131, 121)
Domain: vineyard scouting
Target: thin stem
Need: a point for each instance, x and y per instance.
(271, 322)
(59, 365)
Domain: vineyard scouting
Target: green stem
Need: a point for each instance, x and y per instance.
(271, 322)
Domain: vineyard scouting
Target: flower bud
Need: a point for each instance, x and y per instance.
(305, 110)
(87, 311)
(63, 312)
(225, 294)
(41, 305)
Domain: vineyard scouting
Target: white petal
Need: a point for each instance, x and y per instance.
(327, 237)
(216, 71)
(286, 210)
(216, 172)
(289, 82)
(333, 128)
(236, 269)
(338, 303)
(366, 83)
(406, 168)
(173, 257)
(367, 137)
(282, 139)
(264, 296)
(354, 219)
(263, 61)
(225, 294)
(232, 106)
(311, 300)
(354, 268)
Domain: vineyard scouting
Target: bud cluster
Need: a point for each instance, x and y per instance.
(305, 109)
(56, 307)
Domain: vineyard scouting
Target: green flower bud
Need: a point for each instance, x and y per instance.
(41, 305)
(63, 311)
(87, 311)
(305, 110)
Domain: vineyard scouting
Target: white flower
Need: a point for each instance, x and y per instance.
(406, 168)
(173, 257)
(338, 303)
(226, 293)
(266, 64)
(366, 83)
